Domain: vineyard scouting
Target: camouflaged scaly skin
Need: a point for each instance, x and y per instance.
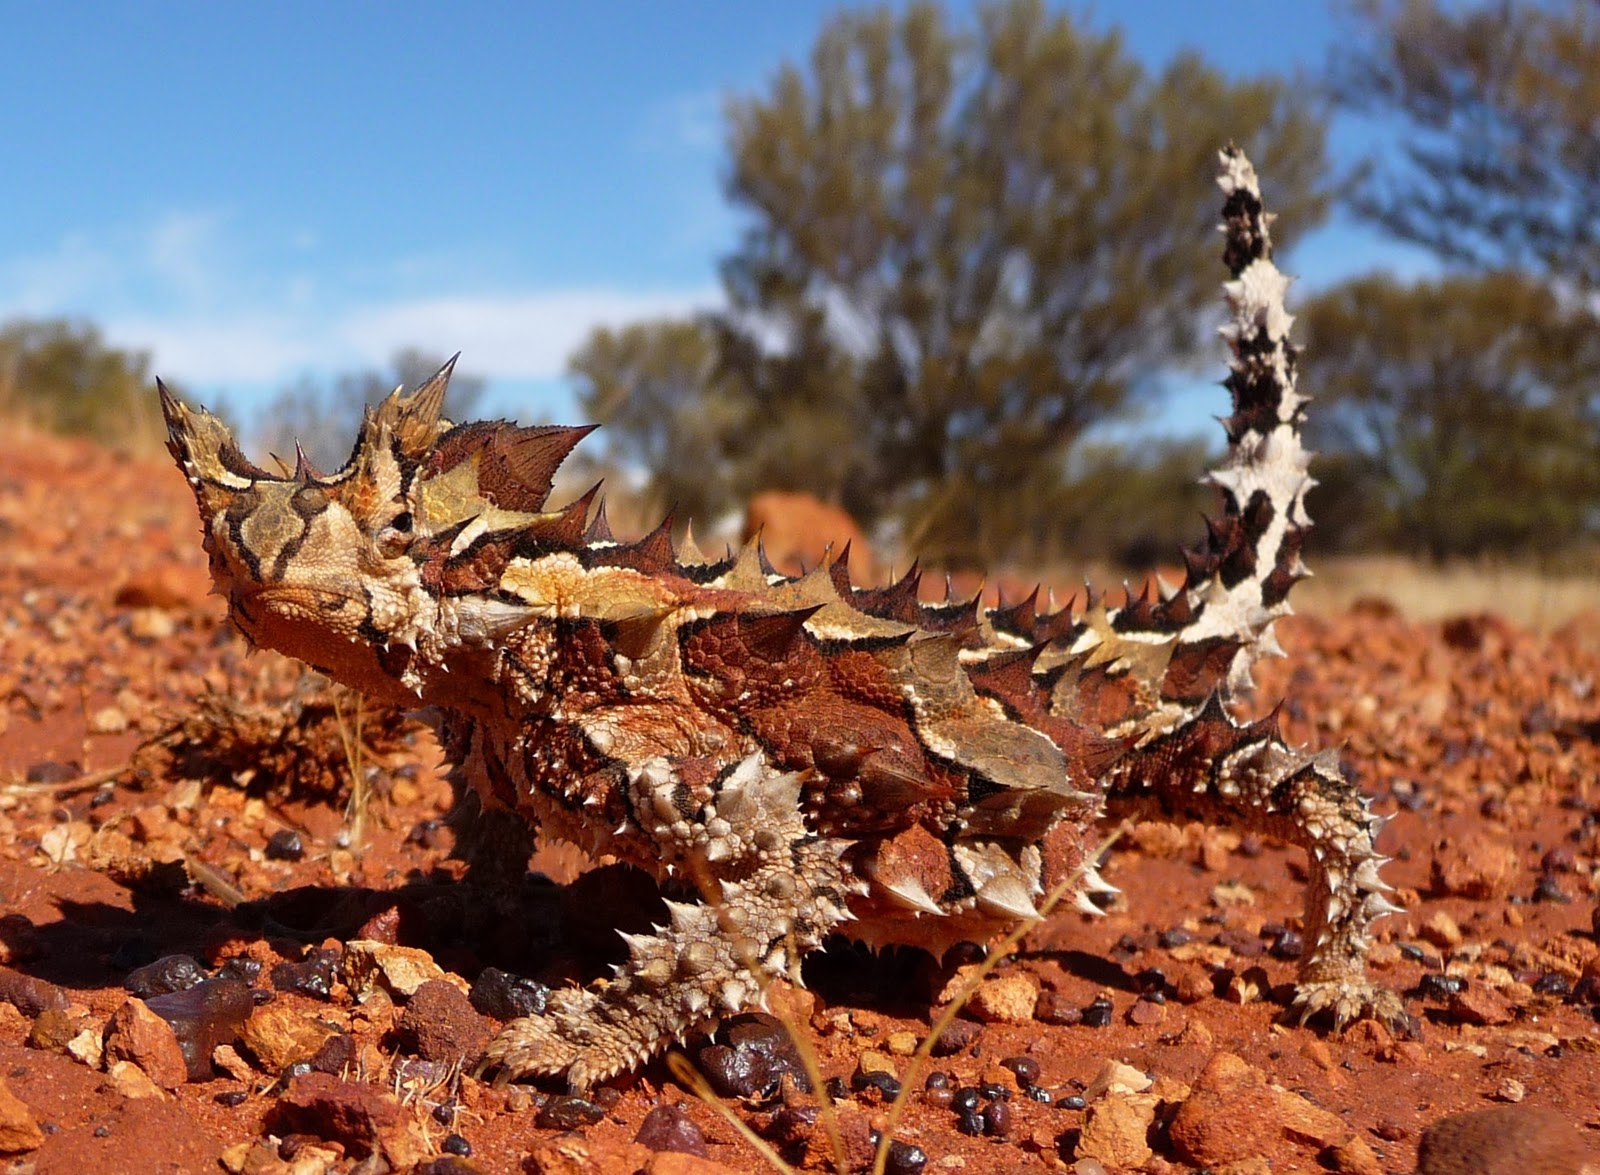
(804, 755)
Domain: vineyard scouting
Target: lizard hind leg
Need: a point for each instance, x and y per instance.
(772, 891)
(1210, 769)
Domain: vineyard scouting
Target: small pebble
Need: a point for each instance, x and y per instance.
(567, 1112)
(904, 1159)
(167, 974)
(668, 1128)
(1025, 1068)
(1071, 1102)
(965, 1099)
(505, 996)
(285, 845)
(757, 1055)
(997, 1119)
(454, 1144)
(970, 1122)
(1098, 1013)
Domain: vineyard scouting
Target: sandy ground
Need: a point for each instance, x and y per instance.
(138, 821)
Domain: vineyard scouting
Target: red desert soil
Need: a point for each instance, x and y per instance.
(138, 822)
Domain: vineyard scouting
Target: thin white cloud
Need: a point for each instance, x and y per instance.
(513, 336)
(179, 288)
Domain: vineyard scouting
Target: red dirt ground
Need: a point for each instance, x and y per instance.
(1484, 739)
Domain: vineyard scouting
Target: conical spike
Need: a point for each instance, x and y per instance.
(911, 893)
(1007, 895)
(599, 527)
(689, 553)
(304, 471)
(654, 551)
(772, 636)
(632, 636)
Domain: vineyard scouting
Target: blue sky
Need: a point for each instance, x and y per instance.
(259, 192)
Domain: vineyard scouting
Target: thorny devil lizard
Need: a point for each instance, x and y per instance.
(795, 756)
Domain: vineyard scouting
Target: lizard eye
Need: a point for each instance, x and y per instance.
(395, 538)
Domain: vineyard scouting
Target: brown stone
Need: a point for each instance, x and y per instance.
(135, 1033)
(1354, 1157)
(440, 1024)
(1502, 1140)
(1010, 999)
(19, 1130)
(1477, 866)
(1231, 1114)
(1478, 1003)
(362, 1118)
(278, 1036)
(1116, 1130)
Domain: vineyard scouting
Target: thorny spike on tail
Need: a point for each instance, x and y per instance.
(806, 754)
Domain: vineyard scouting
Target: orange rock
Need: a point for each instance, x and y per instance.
(135, 1033)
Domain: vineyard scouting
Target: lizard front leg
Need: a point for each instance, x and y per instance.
(771, 890)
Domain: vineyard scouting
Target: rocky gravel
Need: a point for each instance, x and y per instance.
(232, 938)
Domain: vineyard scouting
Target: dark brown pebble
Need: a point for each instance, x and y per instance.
(937, 1079)
(1026, 1069)
(939, 1098)
(668, 1128)
(758, 1053)
(1434, 986)
(567, 1112)
(31, 996)
(904, 1159)
(285, 845)
(232, 1098)
(1558, 860)
(1097, 1014)
(606, 1097)
(1390, 1130)
(966, 1098)
(1547, 889)
(167, 974)
(1246, 946)
(969, 1122)
(958, 1035)
(337, 1054)
(454, 1144)
(1502, 1140)
(1055, 1008)
(51, 771)
(313, 976)
(1288, 945)
(202, 1017)
(1176, 937)
(997, 1119)
(505, 996)
(240, 967)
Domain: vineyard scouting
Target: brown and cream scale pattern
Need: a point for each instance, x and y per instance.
(795, 756)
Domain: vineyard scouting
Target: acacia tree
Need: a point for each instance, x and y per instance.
(1501, 105)
(1475, 401)
(964, 247)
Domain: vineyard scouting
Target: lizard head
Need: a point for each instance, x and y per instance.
(343, 570)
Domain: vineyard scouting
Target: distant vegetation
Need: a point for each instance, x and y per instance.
(970, 244)
(63, 376)
(323, 417)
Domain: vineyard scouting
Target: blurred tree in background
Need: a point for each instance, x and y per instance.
(965, 248)
(1500, 167)
(1474, 398)
(324, 418)
(63, 376)
(1462, 415)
